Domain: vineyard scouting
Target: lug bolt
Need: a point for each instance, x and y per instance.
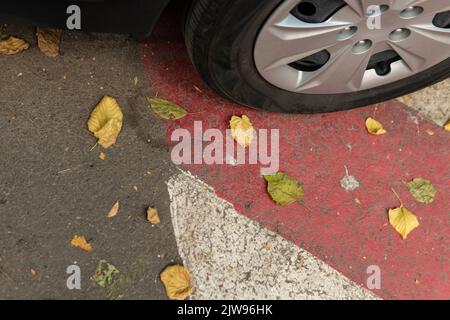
(399, 34)
(362, 46)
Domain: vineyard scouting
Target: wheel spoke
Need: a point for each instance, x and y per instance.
(426, 46)
(430, 7)
(362, 6)
(293, 40)
(344, 71)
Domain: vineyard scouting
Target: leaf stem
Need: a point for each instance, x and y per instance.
(398, 197)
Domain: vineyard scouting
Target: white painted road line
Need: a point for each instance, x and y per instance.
(232, 257)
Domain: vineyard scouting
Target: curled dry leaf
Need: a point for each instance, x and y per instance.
(374, 127)
(153, 216)
(48, 41)
(403, 221)
(80, 242)
(166, 109)
(177, 282)
(242, 130)
(13, 45)
(422, 190)
(283, 189)
(447, 126)
(114, 210)
(106, 121)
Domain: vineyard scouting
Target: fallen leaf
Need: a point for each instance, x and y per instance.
(267, 245)
(447, 126)
(374, 127)
(106, 121)
(177, 281)
(48, 41)
(102, 156)
(283, 189)
(80, 242)
(405, 99)
(3, 34)
(422, 190)
(403, 221)
(33, 272)
(153, 216)
(109, 277)
(242, 130)
(105, 274)
(114, 210)
(13, 45)
(166, 109)
(430, 132)
(136, 81)
(135, 188)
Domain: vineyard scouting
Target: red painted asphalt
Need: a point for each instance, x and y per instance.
(347, 230)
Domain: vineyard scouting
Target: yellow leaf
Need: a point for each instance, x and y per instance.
(403, 221)
(106, 121)
(13, 45)
(102, 156)
(48, 41)
(447, 126)
(242, 130)
(177, 281)
(114, 210)
(153, 216)
(374, 127)
(80, 242)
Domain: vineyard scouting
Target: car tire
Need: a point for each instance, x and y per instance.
(220, 37)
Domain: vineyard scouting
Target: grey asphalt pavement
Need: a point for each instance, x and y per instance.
(53, 186)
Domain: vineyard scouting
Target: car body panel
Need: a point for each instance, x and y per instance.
(136, 17)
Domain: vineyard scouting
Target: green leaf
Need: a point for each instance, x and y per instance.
(283, 189)
(422, 190)
(166, 109)
(106, 274)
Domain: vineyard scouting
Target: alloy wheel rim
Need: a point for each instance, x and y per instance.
(349, 52)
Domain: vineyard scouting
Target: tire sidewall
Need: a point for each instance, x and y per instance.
(231, 68)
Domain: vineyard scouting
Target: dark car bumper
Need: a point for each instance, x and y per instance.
(135, 17)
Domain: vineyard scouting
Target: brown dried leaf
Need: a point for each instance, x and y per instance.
(48, 41)
(153, 216)
(177, 281)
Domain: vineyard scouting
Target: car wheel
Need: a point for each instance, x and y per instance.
(315, 56)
